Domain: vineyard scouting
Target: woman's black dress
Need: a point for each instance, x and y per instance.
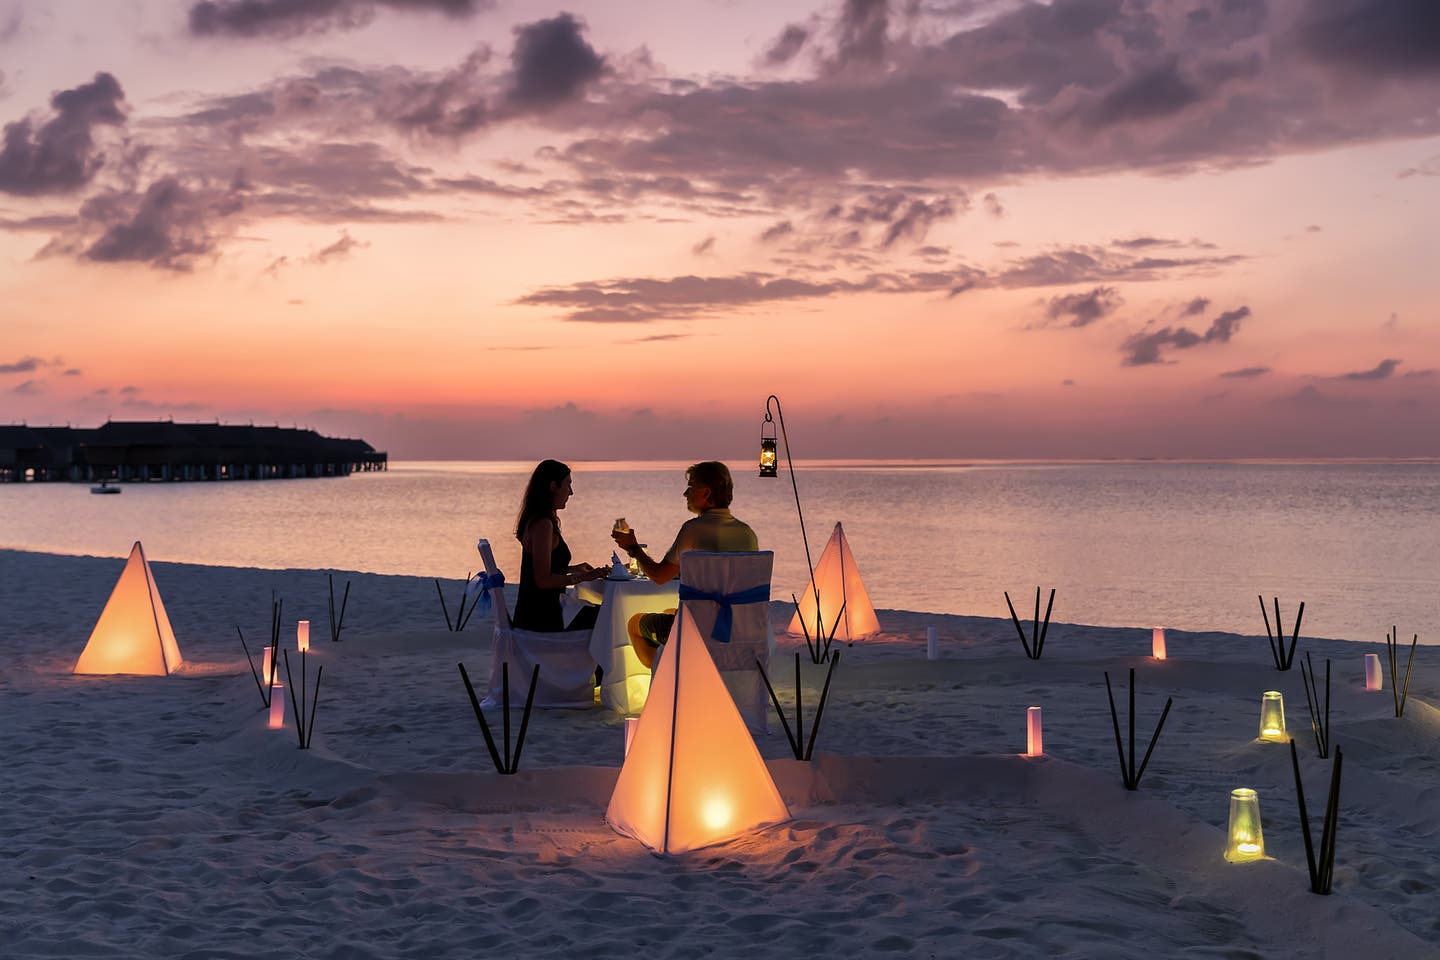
(539, 609)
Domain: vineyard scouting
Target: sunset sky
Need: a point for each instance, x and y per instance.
(608, 228)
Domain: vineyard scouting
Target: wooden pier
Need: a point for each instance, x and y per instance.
(140, 451)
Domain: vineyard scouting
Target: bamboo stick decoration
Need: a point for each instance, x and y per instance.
(1036, 644)
(264, 699)
(1392, 647)
(814, 656)
(338, 623)
(798, 745)
(1128, 774)
(1319, 723)
(506, 763)
(1283, 659)
(304, 727)
(1322, 868)
(461, 616)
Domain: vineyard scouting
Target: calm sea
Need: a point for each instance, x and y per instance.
(1185, 545)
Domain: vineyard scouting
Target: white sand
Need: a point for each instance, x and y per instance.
(157, 817)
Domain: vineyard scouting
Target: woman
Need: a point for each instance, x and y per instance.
(545, 568)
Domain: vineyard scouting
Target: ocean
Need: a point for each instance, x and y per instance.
(1184, 545)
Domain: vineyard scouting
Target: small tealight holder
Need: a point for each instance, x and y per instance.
(1272, 717)
(1374, 679)
(302, 635)
(631, 725)
(932, 643)
(1157, 643)
(1034, 735)
(1246, 841)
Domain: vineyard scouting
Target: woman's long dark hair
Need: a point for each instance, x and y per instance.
(539, 498)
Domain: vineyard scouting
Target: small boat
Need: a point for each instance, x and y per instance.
(104, 488)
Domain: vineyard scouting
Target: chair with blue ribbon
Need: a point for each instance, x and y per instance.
(567, 670)
(728, 595)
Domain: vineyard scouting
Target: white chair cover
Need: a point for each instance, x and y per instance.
(750, 639)
(567, 670)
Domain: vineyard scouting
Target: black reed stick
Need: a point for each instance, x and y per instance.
(1128, 774)
(814, 657)
(314, 702)
(820, 707)
(337, 624)
(1392, 647)
(473, 604)
(1319, 723)
(443, 608)
(1016, 620)
(1036, 644)
(796, 737)
(1040, 644)
(295, 710)
(253, 672)
(780, 711)
(830, 637)
(525, 718)
(1284, 658)
(1322, 868)
(480, 716)
(1304, 818)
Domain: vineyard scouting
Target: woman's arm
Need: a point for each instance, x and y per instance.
(540, 541)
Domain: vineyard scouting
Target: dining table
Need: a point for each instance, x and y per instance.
(625, 682)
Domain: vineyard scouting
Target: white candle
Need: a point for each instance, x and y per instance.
(932, 644)
(1035, 741)
(631, 725)
(1157, 643)
(277, 707)
(1374, 679)
(266, 673)
(302, 635)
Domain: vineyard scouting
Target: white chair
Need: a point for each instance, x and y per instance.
(744, 576)
(567, 670)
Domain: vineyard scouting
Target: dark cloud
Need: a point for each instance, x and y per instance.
(993, 206)
(10, 28)
(862, 32)
(551, 63)
(289, 18)
(1092, 264)
(1376, 36)
(704, 246)
(1195, 307)
(59, 155)
(1146, 348)
(776, 231)
(1082, 309)
(72, 372)
(338, 250)
(23, 365)
(169, 225)
(646, 299)
(28, 388)
(786, 46)
(1309, 397)
(1246, 372)
(1427, 168)
(1381, 371)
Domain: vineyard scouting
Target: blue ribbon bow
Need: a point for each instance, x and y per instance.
(484, 582)
(725, 619)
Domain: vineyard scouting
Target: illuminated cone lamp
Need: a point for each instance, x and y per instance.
(692, 776)
(843, 597)
(630, 724)
(1374, 679)
(1157, 643)
(1034, 737)
(1272, 717)
(1246, 842)
(133, 633)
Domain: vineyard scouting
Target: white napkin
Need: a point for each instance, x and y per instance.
(617, 568)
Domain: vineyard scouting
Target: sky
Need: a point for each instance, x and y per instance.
(595, 229)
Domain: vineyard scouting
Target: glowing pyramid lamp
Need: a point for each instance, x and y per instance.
(133, 633)
(692, 776)
(1246, 841)
(1272, 717)
(840, 586)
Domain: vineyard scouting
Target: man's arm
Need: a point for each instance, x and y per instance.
(659, 571)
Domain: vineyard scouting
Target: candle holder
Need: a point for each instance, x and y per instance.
(1157, 643)
(1272, 717)
(1034, 737)
(1246, 841)
(1374, 679)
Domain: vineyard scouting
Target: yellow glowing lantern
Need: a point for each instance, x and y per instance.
(133, 633)
(692, 776)
(769, 455)
(1034, 738)
(1272, 717)
(844, 602)
(1374, 679)
(1246, 842)
(1157, 643)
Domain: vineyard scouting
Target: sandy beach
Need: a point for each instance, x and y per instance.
(159, 817)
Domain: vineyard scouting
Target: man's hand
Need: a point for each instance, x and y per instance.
(624, 539)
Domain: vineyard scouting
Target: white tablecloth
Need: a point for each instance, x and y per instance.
(626, 683)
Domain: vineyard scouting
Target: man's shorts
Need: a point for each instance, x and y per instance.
(655, 628)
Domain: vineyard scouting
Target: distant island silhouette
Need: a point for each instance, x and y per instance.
(128, 451)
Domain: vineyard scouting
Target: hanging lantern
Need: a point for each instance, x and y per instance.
(769, 456)
(1272, 717)
(1246, 840)
(1157, 643)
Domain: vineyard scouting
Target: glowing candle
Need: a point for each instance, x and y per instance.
(1157, 643)
(302, 635)
(932, 644)
(1035, 741)
(1272, 717)
(1374, 679)
(277, 707)
(631, 725)
(267, 674)
(1246, 841)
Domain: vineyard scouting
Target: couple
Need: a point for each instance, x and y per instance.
(546, 571)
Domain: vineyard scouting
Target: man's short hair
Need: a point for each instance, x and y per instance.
(716, 476)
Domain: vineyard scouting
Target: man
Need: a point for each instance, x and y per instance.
(707, 495)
